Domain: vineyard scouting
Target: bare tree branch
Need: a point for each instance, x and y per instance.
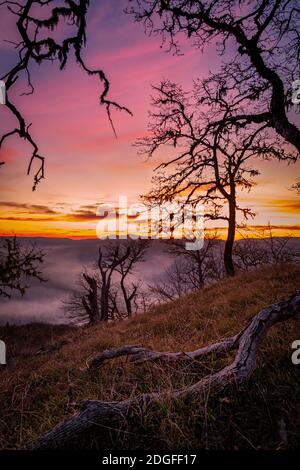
(36, 46)
(263, 67)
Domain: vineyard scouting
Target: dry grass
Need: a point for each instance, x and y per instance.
(35, 388)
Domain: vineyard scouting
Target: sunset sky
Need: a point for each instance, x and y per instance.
(86, 166)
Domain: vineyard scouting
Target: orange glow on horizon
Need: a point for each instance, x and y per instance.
(251, 231)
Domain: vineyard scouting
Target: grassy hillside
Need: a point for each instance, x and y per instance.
(36, 389)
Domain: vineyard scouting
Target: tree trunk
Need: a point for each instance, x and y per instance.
(279, 121)
(228, 251)
(127, 299)
(91, 304)
(105, 302)
(200, 270)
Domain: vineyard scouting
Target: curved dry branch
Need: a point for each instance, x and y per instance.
(140, 354)
(95, 412)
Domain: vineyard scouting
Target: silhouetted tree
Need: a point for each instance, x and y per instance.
(110, 258)
(18, 265)
(205, 166)
(249, 253)
(90, 300)
(97, 298)
(296, 186)
(173, 284)
(202, 265)
(191, 270)
(262, 247)
(82, 306)
(135, 250)
(259, 43)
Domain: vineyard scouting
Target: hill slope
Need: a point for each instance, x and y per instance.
(46, 373)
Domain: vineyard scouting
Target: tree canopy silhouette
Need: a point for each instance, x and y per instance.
(206, 166)
(259, 42)
(18, 265)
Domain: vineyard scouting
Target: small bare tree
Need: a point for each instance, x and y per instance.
(99, 295)
(110, 258)
(90, 301)
(202, 265)
(18, 264)
(251, 252)
(191, 270)
(135, 251)
(82, 306)
(278, 248)
(173, 284)
(296, 186)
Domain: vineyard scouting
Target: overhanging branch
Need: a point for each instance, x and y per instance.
(34, 47)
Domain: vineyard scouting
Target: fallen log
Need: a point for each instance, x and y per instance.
(94, 412)
(140, 354)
